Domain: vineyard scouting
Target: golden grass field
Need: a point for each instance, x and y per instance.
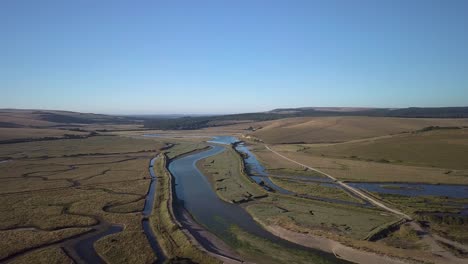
(433, 157)
(35, 133)
(439, 148)
(358, 170)
(340, 129)
(24, 118)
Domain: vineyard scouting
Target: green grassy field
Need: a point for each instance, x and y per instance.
(315, 189)
(438, 148)
(300, 214)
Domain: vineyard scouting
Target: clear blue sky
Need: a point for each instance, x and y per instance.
(232, 56)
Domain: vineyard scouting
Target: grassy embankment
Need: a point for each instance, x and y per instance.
(263, 251)
(60, 184)
(184, 147)
(227, 178)
(174, 242)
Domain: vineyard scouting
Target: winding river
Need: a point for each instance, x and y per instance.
(194, 191)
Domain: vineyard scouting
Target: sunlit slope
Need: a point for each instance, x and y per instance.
(446, 148)
(340, 129)
(14, 118)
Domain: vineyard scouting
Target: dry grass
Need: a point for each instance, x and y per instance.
(26, 133)
(340, 129)
(12, 241)
(122, 248)
(356, 170)
(24, 118)
(439, 148)
(93, 145)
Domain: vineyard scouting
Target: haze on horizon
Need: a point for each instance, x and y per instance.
(216, 57)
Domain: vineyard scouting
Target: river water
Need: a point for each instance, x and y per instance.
(197, 196)
(414, 189)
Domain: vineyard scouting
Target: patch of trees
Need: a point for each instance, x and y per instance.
(86, 119)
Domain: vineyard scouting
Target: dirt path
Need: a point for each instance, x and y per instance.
(348, 187)
(437, 249)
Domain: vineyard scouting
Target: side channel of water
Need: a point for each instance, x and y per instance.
(147, 211)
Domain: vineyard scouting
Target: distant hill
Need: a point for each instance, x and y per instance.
(207, 121)
(30, 118)
(16, 118)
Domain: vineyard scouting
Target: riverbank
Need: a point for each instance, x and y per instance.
(174, 242)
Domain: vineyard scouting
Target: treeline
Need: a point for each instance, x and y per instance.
(421, 112)
(65, 136)
(187, 123)
(79, 118)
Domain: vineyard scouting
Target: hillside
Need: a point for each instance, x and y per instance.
(340, 129)
(441, 148)
(14, 118)
(188, 123)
